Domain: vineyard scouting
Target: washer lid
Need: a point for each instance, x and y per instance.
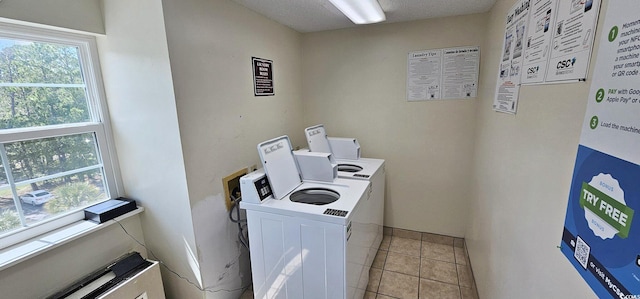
(280, 166)
(317, 139)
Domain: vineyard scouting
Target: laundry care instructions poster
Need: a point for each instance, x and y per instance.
(601, 236)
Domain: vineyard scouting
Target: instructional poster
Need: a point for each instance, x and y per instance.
(572, 40)
(443, 74)
(538, 40)
(262, 77)
(508, 86)
(423, 75)
(601, 235)
(461, 67)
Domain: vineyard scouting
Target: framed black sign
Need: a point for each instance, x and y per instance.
(262, 77)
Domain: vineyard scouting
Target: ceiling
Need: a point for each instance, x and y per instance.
(319, 15)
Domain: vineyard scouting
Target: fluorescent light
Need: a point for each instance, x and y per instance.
(360, 11)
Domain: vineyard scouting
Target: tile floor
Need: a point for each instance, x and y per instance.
(415, 265)
(420, 265)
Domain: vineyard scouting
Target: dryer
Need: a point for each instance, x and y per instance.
(303, 235)
(372, 170)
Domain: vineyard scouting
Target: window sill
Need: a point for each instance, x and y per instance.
(43, 243)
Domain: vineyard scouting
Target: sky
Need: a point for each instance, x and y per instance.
(4, 42)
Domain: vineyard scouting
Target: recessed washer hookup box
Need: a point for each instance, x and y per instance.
(109, 209)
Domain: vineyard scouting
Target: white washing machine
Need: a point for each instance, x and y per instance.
(372, 170)
(304, 236)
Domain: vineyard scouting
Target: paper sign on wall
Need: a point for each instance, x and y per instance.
(601, 235)
(572, 41)
(545, 41)
(559, 38)
(538, 41)
(262, 77)
(443, 74)
(508, 85)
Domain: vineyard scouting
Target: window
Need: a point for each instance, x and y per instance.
(55, 154)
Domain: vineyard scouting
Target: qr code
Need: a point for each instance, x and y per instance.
(582, 252)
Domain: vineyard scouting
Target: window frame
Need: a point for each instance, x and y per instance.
(99, 124)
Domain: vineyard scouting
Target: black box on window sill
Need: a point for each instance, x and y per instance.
(109, 209)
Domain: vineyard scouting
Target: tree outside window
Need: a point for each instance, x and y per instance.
(50, 132)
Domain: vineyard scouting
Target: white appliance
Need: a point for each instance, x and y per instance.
(344, 148)
(304, 236)
(340, 147)
(316, 166)
(128, 277)
(372, 170)
(146, 284)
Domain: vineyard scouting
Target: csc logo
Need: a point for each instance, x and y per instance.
(563, 64)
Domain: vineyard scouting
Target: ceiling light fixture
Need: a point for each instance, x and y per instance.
(360, 11)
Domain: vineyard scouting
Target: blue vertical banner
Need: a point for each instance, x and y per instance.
(601, 236)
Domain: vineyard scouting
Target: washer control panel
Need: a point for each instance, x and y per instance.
(263, 188)
(255, 187)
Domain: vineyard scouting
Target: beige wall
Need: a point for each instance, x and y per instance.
(221, 122)
(138, 82)
(83, 15)
(521, 176)
(354, 83)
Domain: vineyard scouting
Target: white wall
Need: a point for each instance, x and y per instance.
(354, 82)
(51, 271)
(138, 81)
(521, 177)
(211, 43)
(83, 15)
